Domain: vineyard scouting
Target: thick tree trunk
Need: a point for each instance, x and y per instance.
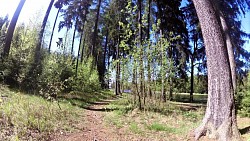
(220, 120)
(51, 37)
(11, 28)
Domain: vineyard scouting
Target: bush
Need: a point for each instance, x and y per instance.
(243, 99)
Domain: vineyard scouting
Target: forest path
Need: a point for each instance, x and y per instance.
(95, 128)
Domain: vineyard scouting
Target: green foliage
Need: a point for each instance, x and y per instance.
(243, 98)
(87, 79)
(24, 114)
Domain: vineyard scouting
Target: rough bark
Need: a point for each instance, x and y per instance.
(11, 28)
(220, 120)
(53, 29)
(230, 51)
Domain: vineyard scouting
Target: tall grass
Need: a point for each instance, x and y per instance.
(26, 114)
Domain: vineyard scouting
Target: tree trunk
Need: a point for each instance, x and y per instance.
(83, 45)
(40, 38)
(191, 98)
(117, 81)
(141, 70)
(73, 40)
(149, 49)
(51, 37)
(78, 53)
(230, 51)
(104, 59)
(220, 120)
(193, 56)
(93, 48)
(11, 28)
(163, 75)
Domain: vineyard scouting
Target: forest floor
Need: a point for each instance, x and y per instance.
(108, 120)
(99, 117)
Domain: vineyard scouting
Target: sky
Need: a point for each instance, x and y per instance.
(30, 8)
(33, 6)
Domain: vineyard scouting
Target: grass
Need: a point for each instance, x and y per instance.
(166, 119)
(135, 128)
(25, 117)
(160, 127)
(83, 100)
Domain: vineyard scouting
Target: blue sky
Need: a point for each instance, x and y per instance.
(32, 6)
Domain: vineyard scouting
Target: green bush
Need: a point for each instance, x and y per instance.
(243, 98)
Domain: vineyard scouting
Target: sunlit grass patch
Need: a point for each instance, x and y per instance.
(135, 128)
(27, 114)
(160, 127)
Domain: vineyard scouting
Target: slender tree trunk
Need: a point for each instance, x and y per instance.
(163, 75)
(104, 58)
(51, 37)
(93, 48)
(40, 38)
(117, 82)
(11, 28)
(149, 49)
(78, 53)
(108, 63)
(230, 51)
(141, 70)
(193, 55)
(73, 40)
(220, 119)
(171, 75)
(191, 98)
(83, 45)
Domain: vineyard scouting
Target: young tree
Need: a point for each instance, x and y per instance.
(11, 28)
(220, 119)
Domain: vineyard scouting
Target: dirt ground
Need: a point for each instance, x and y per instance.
(94, 128)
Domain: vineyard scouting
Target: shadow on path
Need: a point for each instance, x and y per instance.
(100, 109)
(245, 130)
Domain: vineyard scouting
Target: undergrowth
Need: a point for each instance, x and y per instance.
(163, 118)
(25, 117)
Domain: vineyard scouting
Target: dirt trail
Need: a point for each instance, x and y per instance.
(93, 127)
(96, 129)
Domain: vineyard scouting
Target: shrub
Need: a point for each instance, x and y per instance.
(244, 98)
